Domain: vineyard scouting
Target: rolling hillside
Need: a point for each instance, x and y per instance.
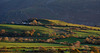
(53, 29)
(47, 32)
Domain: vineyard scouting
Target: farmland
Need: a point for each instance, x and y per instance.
(53, 33)
(28, 44)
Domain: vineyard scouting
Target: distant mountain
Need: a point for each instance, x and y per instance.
(74, 11)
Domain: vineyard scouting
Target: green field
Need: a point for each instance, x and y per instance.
(83, 34)
(70, 40)
(28, 44)
(19, 28)
(47, 30)
(43, 29)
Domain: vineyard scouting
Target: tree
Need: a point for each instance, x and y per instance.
(87, 39)
(91, 52)
(62, 36)
(5, 39)
(33, 30)
(72, 47)
(20, 39)
(38, 34)
(52, 50)
(84, 52)
(39, 23)
(50, 40)
(75, 51)
(77, 44)
(67, 36)
(35, 22)
(3, 30)
(94, 49)
(42, 48)
(12, 39)
(0, 38)
(27, 33)
(31, 33)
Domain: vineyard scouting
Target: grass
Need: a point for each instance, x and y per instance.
(19, 28)
(70, 40)
(43, 30)
(83, 34)
(28, 44)
(91, 45)
(92, 31)
(70, 24)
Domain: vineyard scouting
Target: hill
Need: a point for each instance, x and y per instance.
(59, 28)
(66, 10)
(59, 35)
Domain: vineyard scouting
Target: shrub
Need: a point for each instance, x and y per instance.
(12, 39)
(95, 49)
(62, 36)
(75, 51)
(91, 52)
(72, 47)
(0, 38)
(3, 30)
(52, 50)
(77, 44)
(84, 52)
(16, 50)
(5, 39)
(50, 40)
(38, 34)
(42, 48)
(86, 46)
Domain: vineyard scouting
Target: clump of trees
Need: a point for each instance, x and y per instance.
(16, 39)
(42, 48)
(94, 49)
(92, 40)
(50, 40)
(74, 51)
(3, 31)
(5, 39)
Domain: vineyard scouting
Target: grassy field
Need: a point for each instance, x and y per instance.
(28, 44)
(70, 24)
(85, 34)
(46, 30)
(18, 28)
(43, 29)
(92, 31)
(70, 40)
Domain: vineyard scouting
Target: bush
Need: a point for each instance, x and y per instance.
(75, 51)
(5, 39)
(52, 50)
(3, 31)
(84, 52)
(0, 38)
(50, 40)
(94, 49)
(42, 48)
(12, 39)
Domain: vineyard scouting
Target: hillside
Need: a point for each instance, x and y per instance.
(59, 22)
(52, 34)
(83, 30)
(66, 10)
